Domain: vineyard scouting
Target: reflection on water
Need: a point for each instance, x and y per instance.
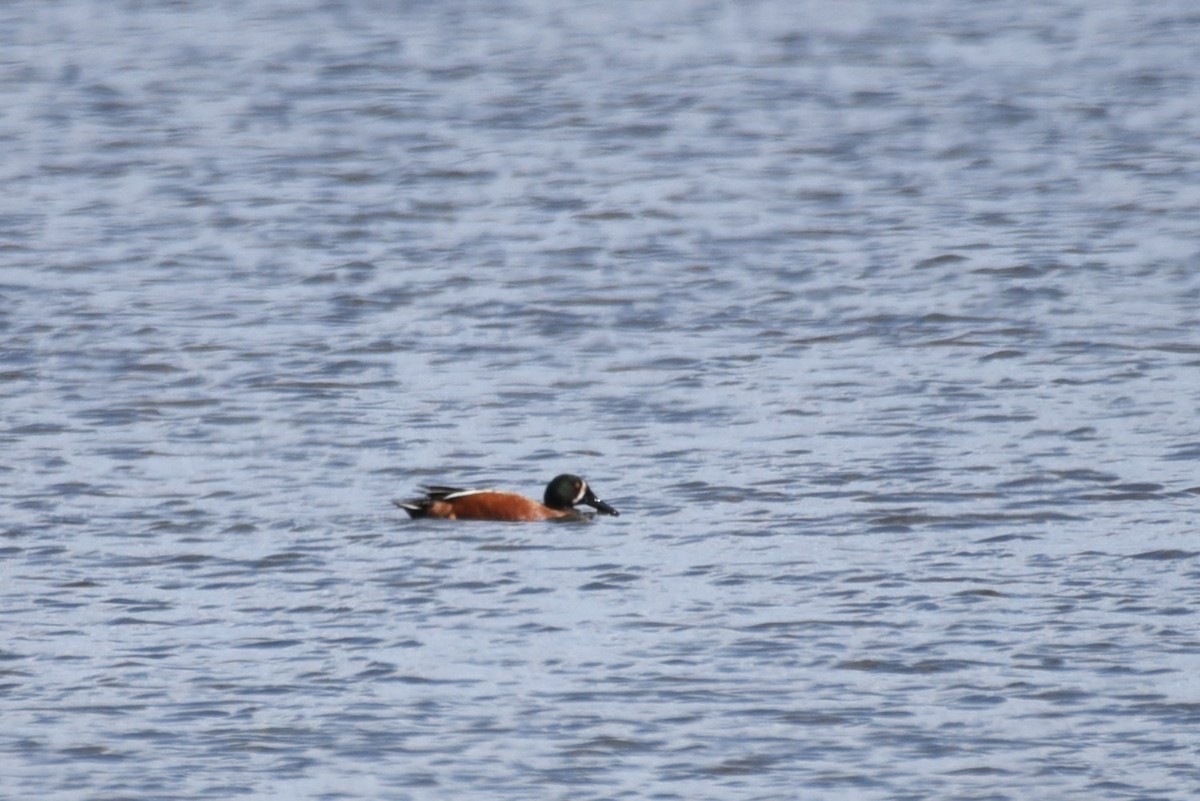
(878, 329)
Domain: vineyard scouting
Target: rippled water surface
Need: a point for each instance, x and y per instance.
(878, 321)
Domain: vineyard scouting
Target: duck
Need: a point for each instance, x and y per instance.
(563, 494)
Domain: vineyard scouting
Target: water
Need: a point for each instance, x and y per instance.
(877, 325)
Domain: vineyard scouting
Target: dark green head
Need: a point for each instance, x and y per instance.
(564, 491)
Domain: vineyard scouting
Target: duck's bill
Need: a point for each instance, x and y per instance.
(602, 507)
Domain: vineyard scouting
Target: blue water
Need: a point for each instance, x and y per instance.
(877, 322)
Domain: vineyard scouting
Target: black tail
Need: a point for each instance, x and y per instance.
(414, 508)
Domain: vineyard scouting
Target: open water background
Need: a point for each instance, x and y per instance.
(878, 321)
